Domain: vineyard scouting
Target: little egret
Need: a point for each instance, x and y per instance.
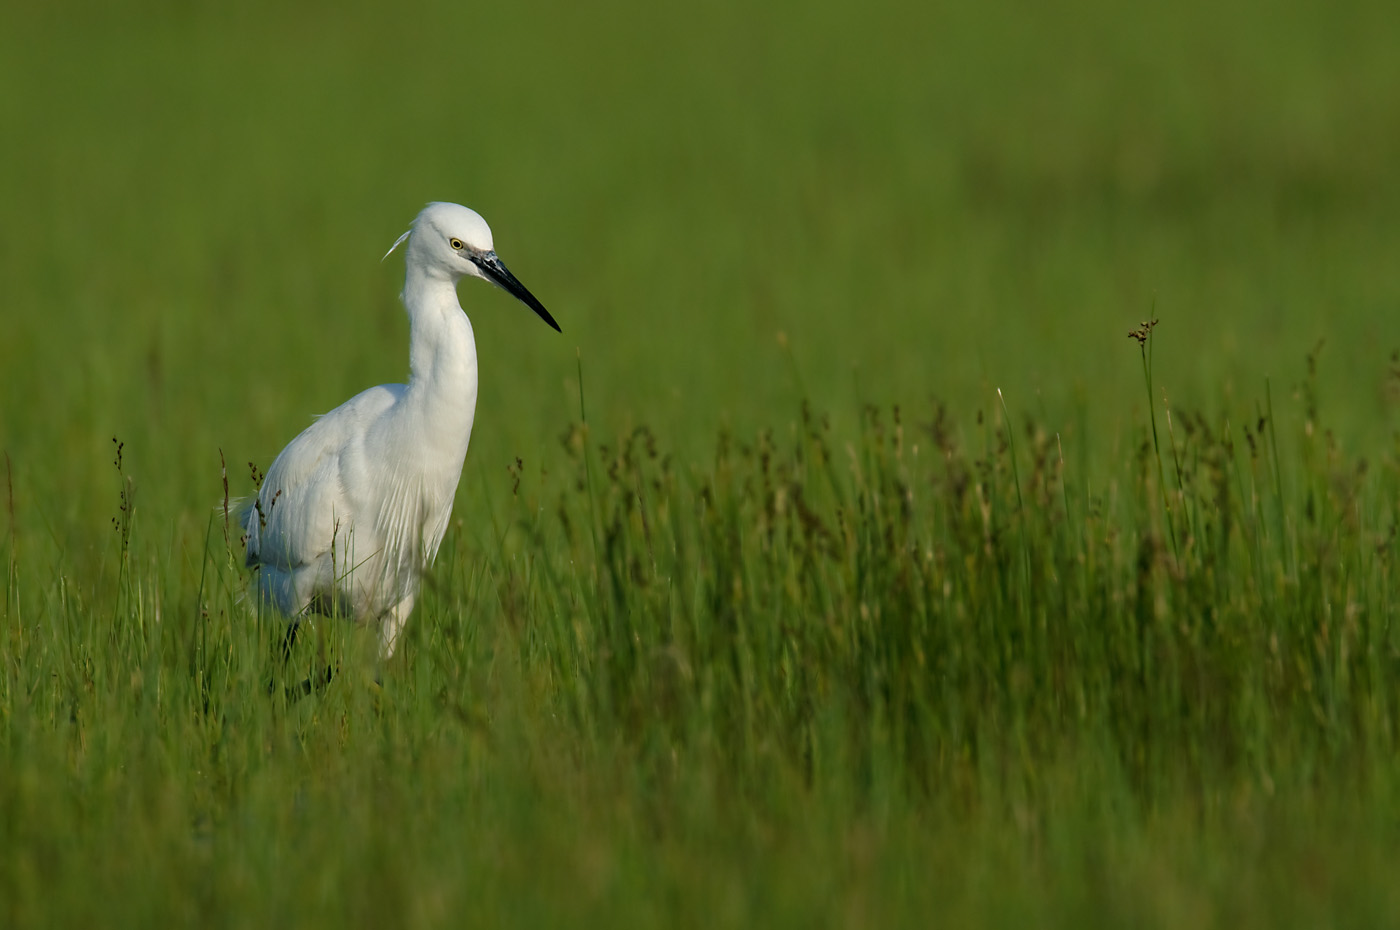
(353, 510)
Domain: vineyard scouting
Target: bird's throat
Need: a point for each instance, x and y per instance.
(442, 357)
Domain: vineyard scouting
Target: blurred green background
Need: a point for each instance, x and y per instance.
(923, 198)
(730, 209)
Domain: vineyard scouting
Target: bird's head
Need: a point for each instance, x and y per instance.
(452, 240)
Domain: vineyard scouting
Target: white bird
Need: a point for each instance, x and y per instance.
(353, 510)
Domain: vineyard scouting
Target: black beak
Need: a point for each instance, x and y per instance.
(498, 274)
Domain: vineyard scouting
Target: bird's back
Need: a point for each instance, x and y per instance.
(315, 519)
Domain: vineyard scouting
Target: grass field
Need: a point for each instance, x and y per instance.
(843, 564)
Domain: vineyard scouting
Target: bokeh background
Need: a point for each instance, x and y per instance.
(732, 209)
(729, 208)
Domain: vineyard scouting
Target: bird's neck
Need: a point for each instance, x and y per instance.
(442, 350)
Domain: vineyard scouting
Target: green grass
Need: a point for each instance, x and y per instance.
(886, 581)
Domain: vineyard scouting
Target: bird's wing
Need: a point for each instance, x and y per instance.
(302, 504)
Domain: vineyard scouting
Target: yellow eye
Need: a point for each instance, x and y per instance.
(455, 243)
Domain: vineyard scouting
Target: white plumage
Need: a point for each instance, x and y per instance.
(353, 510)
